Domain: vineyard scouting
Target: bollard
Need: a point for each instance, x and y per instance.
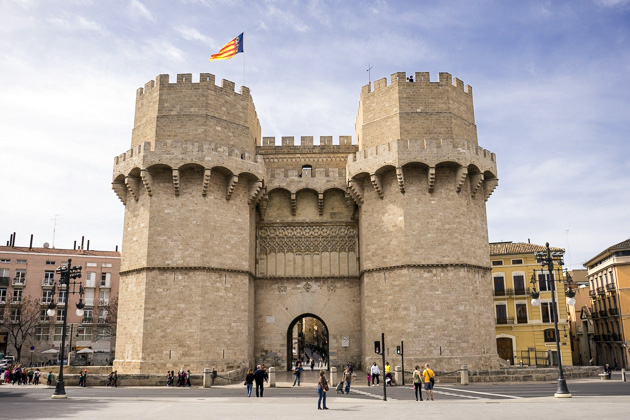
(333, 377)
(623, 375)
(208, 380)
(398, 375)
(464, 380)
(272, 377)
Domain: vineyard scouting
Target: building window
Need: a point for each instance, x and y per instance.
(517, 261)
(89, 297)
(103, 298)
(550, 335)
(58, 333)
(59, 315)
(20, 277)
(497, 262)
(91, 264)
(499, 286)
(501, 314)
(50, 263)
(43, 316)
(41, 333)
(16, 314)
(521, 313)
(61, 299)
(47, 296)
(5, 261)
(84, 334)
(108, 265)
(544, 282)
(102, 333)
(87, 316)
(17, 295)
(49, 278)
(3, 295)
(4, 272)
(90, 279)
(21, 261)
(105, 279)
(546, 310)
(307, 171)
(519, 284)
(102, 315)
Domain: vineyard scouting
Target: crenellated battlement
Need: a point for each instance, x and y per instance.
(306, 141)
(421, 79)
(401, 146)
(185, 80)
(176, 154)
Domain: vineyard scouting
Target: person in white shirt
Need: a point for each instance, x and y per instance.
(376, 373)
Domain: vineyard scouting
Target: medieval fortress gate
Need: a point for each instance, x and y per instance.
(229, 238)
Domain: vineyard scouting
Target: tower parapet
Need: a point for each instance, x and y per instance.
(199, 111)
(415, 110)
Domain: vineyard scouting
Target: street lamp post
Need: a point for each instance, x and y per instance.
(546, 259)
(65, 274)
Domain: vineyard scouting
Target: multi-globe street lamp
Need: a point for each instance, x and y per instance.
(546, 259)
(66, 272)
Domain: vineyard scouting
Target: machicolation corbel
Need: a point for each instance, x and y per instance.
(147, 180)
(462, 172)
(376, 183)
(206, 181)
(320, 203)
(431, 178)
(132, 185)
(293, 203)
(176, 181)
(401, 179)
(475, 182)
(231, 184)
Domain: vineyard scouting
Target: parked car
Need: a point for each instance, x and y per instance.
(6, 362)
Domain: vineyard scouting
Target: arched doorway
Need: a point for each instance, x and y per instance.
(505, 349)
(307, 338)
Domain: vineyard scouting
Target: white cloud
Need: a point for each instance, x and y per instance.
(283, 17)
(137, 9)
(76, 22)
(262, 26)
(611, 3)
(191, 34)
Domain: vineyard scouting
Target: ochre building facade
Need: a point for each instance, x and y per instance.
(230, 238)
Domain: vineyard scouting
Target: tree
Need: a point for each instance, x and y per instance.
(107, 324)
(20, 320)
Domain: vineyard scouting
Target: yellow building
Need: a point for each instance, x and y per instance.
(525, 333)
(609, 282)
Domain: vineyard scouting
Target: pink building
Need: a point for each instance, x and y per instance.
(30, 272)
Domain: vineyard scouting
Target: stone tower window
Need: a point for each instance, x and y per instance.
(307, 171)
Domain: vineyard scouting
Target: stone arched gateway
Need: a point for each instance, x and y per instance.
(307, 337)
(280, 302)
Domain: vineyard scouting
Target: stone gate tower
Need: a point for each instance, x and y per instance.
(230, 239)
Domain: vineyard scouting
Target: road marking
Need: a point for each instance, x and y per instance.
(457, 395)
(482, 393)
(356, 391)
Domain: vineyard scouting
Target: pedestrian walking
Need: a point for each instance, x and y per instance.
(260, 376)
(417, 383)
(388, 374)
(312, 363)
(187, 383)
(368, 378)
(36, 376)
(429, 381)
(322, 388)
(249, 382)
(376, 373)
(49, 379)
(347, 379)
(297, 372)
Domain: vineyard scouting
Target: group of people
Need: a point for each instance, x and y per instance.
(260, 377)
(112, 379)
(83, 378)
(425, 378)
(183, 377)
(17, 374)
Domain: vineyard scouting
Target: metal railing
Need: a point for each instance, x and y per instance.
(600, 290)
(610, 286)
(592, 293)
(18, 281)
(504, 321)
(613, 311)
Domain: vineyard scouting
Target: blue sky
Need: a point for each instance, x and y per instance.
(549, 79)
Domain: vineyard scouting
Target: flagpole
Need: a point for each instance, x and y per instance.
(244, 58)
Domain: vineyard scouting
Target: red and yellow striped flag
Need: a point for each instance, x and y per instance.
(229, 50)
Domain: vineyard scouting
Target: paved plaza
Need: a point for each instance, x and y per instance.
(592, 397)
